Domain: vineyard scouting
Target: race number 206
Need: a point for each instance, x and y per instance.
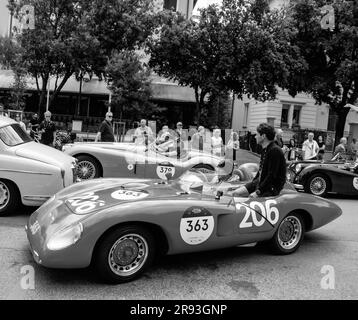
(256, 213)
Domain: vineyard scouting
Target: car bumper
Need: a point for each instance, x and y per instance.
(298, 186)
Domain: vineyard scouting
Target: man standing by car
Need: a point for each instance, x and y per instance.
(34, 124)
(143, 134)
(341, 148)
(48, 130)
(271, 177)
(105, 131)
(310, 148)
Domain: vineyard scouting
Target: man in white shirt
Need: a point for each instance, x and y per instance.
(143, 134)
(310, 148)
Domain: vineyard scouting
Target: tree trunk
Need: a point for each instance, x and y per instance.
(43, 93)
(340, 124)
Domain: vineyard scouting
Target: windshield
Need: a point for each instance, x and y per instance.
(14, 135)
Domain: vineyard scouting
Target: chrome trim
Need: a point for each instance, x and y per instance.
(298, 186)
(36, 198)
(28, 172)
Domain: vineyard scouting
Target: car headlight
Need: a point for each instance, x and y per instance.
(298, 168)
(65, 237)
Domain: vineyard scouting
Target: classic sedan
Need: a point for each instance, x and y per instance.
(320, 178)
(30, 173)
(127, 160)
(119, 225)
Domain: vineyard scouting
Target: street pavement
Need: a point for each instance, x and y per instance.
(238, 273)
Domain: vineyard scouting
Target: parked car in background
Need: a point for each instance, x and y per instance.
(338, 175)
(127, 160)
(30, 172)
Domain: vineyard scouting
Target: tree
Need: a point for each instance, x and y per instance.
(10, 58)
(129, 83)
(78, 37)
(332, 55)
(239, 47)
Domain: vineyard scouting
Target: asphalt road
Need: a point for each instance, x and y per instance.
(236, 273)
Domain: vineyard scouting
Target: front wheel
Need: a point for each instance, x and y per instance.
(124, 254)
(87, 168)
(9, 197)
(289, 235)
(318, 185)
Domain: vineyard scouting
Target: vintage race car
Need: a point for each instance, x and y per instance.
(119, 225)
(30, 173)
(321, 178)
(128, 160)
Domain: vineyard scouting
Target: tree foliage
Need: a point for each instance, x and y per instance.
(78, 37)
(129, 82)
(240, 46)
(332, 56)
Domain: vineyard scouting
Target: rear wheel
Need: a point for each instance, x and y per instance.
(9, 197)
(88, 168)
(124, 254)
(318, 185)
(289, 235)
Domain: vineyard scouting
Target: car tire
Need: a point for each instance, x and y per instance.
(87, 167)
(9, 197)
(124, 254)
(318, 185)
(289, 235)
(204, 168)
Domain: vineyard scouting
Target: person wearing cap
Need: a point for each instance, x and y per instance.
(48, 130)
(105, 132)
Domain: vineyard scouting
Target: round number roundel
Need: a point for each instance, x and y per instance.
(128, 195)
(196, 226)
(165, 170)
(355, 183)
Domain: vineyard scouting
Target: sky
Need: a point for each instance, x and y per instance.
(4, 17)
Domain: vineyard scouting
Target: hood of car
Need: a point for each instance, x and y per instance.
(43, 153)
(89, 197)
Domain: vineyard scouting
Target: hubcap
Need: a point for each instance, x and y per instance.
(290, 232)
(318, 185)
(4, 195)
(128, 255)
(86, 170)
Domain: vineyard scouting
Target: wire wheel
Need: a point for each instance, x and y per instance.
(86, 170)
(128, 255)
(318, 185)
(4, 195)
(290, 232)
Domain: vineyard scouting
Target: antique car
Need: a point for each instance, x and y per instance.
(118, 226)
(338, 175)
(127, 160)
(30, 173)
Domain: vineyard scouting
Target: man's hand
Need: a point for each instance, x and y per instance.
(254, 195)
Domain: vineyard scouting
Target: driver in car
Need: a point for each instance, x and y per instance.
(271, 177)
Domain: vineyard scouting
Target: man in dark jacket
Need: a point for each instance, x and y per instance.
(271, 177)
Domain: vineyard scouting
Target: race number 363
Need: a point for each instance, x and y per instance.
(196, 226)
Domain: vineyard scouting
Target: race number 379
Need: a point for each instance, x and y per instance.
(256, 213)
